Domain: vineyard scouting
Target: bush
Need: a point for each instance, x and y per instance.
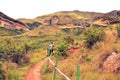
(88, 59)
(61, 49)
(66, 30)
(69, 40)
(92, 35)
(13, 50)
(77, 31)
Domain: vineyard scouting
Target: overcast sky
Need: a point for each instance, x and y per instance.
(34, 8)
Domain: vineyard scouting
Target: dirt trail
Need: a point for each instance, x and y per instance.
(34, 72)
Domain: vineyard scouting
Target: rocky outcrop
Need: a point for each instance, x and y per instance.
(54, 20)
(112, 63)
(114, 13)
(66, 21)
(11, 23)
(109, 18)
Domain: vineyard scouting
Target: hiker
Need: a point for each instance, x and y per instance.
(51, 48)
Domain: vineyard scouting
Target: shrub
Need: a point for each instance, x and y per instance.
(14, 50)
(69, 40)
(66, 30)
(92, 35)
(61, 49)
(88, 59)
(77, 31)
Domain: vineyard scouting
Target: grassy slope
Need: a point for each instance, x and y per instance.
(89, 70)
(18, 72)
(41, 42)
(68, 66)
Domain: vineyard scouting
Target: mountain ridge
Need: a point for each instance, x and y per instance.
(62, 19)
(10, 23)
(76, 18)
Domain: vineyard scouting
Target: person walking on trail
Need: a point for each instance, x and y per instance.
(51, 48)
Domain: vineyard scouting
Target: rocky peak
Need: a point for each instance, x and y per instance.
(10, 23)
(54, 20)
(114, 13)
(112, 17)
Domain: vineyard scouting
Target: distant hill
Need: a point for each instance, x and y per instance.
(76, 18)
(109, 18)
(64, 18)
(10, 23)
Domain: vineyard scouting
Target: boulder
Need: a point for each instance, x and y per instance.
(112, 63)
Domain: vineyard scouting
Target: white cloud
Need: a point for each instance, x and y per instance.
(34, 8)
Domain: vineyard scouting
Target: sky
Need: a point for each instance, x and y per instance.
(35, 8)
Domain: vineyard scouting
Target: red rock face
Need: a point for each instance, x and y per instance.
(54, 20)
(70, 24)
(112, 63)
(47, 22)
(100, 22)
(10, 23)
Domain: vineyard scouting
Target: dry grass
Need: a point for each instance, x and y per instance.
(90, 69)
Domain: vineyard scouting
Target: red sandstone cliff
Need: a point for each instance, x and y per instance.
(10, 23)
